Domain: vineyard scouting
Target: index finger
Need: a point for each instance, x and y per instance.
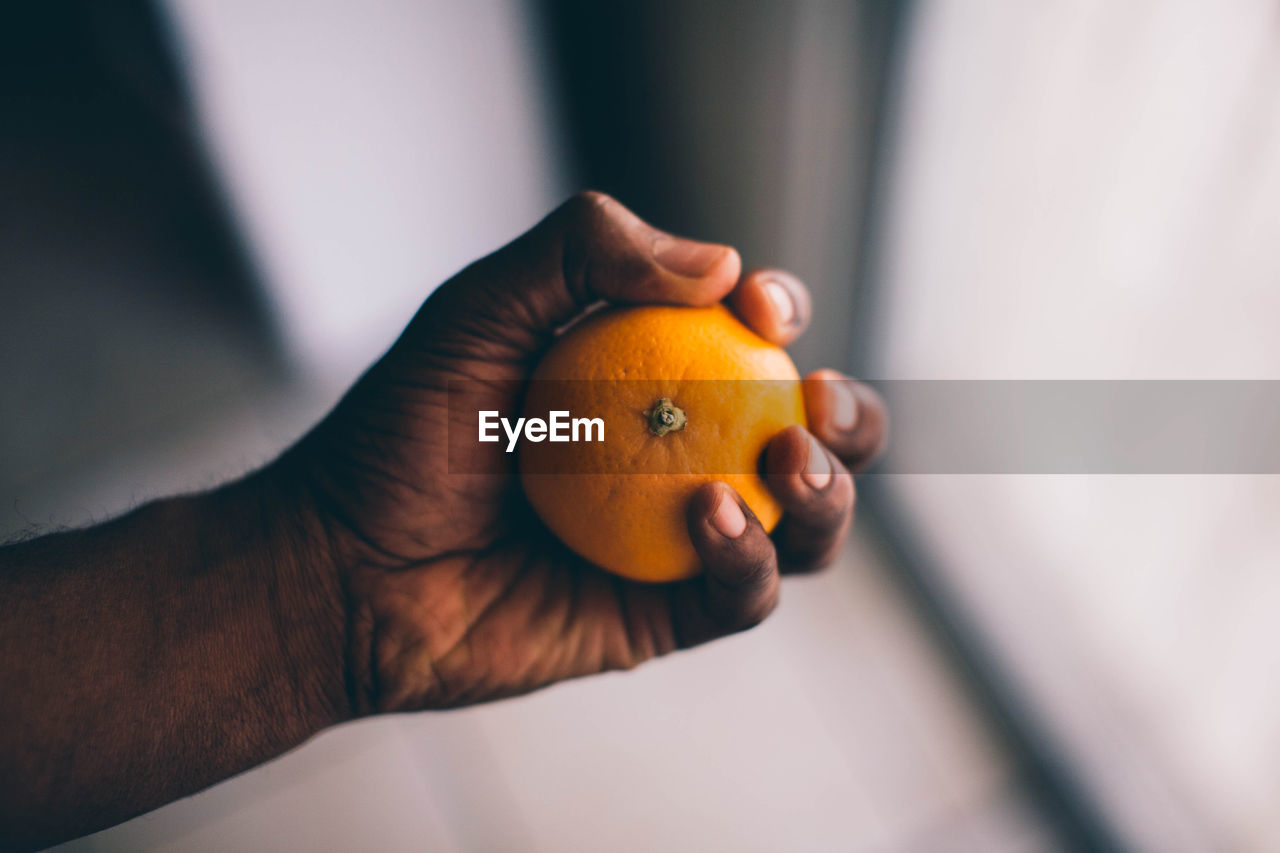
(774, 303)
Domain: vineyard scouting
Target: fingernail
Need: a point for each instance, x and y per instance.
(845, 413)
(783, 304)
(687, 258)
(817, 471)
(728, 518)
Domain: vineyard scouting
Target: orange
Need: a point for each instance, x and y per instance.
(686, 395)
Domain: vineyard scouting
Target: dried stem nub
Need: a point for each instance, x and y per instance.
(665, 417)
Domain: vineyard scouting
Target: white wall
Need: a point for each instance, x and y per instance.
(371, 150)
(1092, 190)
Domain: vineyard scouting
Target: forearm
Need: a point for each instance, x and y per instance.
(146, 658)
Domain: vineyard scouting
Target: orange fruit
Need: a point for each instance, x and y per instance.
(686, 396)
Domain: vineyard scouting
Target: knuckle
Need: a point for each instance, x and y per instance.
(810, 556)
(579, 224)
(839, 503)
(823, 559)
(868, 445)
(586, 210)
(750, 617)
(831, 507)
(816, 559)
(756, 594)
(757, 570)
(874, 435)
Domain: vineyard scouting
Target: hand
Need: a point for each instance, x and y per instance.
(449, 589)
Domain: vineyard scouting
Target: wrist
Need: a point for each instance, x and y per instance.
(304, 594)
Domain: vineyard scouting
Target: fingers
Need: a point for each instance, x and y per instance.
(740, 585)
(590, 248)
(847, 416)
(774, 303)
(817, 493)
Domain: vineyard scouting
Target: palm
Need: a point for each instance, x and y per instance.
(477, 598)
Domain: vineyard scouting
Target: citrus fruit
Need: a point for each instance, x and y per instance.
(686, 396)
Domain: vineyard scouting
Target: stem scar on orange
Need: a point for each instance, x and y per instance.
(687, 396)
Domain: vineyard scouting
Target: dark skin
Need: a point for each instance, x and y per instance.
(149, 657)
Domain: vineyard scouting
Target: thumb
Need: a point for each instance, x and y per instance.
(591, 248)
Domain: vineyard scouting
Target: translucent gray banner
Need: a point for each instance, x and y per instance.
(1083, 427)
(937, 426)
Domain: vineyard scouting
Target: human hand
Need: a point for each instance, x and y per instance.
(447, 589)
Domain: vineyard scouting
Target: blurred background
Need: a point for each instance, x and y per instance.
(214, 214)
